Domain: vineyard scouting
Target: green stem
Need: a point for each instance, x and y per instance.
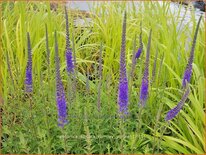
(46, 109)
(140, 119)
(122, 134)
(65, 140)
(34, 132)
(69, 89)
(161, 135)
(155, 128)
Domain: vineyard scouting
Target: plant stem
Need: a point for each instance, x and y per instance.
(131, 75)
(1, 93)
(122, 134)
(65, 140)
(70, 89)
(32, 118)
(140, 119)
(155, 128)
(75, 69)
(162, 133)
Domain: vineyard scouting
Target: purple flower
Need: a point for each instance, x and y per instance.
(60, 95)
(28, 79)
(145, 79)
(172, 113)
(188, 70)
(123, 83)
(123, 97)
(69, 59)
(139, 51)
(70, 65)
(187, 75)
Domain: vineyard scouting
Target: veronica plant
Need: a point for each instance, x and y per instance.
(186, 79)
(188, 70)
(145, 79)
(123, 83)
(69, 59)
(172, 113)
(60, 95)
(28, 79)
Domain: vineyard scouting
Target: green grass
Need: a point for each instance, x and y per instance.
(34, 129)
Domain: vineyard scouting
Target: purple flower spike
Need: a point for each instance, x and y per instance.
(145, 80)
(139, 51)
(28, 79)
(188, 70)
(187, 75)
(172, 113)
(70, 65)
(60, 95)
(123, 83)
(123, 97)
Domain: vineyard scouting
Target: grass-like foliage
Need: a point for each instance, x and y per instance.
(75, 72)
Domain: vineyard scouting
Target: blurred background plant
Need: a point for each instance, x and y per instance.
(91, 131)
